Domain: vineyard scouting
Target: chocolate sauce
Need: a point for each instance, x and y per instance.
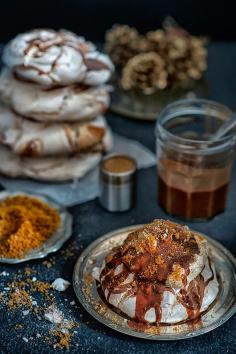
(32, 148)
(191, 192)
(191, 298)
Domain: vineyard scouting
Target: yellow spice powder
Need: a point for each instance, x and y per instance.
(25, 224)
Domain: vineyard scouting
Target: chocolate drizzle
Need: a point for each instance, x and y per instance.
(43, 40)
(191, 297)
(146, 261)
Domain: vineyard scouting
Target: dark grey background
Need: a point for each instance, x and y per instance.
(92, 17)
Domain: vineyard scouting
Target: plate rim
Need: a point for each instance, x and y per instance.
(143, 335)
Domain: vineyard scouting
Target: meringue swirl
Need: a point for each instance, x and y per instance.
(56, 58)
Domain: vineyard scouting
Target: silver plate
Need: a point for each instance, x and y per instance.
(86, 290)
(55, 242)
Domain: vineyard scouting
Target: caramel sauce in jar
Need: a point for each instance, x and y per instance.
(193, 172)
(191, 193)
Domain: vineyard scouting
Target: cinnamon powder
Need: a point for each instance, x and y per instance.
(25, 224)
(118, 164)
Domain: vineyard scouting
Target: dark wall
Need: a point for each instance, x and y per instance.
(92, 17)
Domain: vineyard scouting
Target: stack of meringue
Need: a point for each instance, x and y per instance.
(53, 96)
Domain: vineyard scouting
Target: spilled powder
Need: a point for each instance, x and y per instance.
(63, 340)
(20, 294)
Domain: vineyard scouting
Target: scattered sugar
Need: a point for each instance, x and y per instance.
(53, 314)
(60, 284)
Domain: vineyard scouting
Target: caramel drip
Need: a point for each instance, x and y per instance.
(191, 298)
(112, 282)
(95, 64)
(149, 296)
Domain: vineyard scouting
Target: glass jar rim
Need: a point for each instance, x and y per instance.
(194, 106)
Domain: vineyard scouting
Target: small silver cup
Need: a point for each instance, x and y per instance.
(118, 174)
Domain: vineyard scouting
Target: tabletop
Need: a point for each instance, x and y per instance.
(26, 331)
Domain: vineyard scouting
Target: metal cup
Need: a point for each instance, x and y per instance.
(118, 187)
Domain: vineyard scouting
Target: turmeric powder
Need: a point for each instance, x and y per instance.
(25, 224)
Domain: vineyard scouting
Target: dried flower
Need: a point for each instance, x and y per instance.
(120, 43)
(177, 57)
(145, 71)
(185, 56)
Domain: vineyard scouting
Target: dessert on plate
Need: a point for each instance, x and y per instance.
(53, 95)
(163, 273)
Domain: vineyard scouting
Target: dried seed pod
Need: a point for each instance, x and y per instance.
(184, 56)
(187, 58)
(120, 43)
(157, 41)
(145, 71)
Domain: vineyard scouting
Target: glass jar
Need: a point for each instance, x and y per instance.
(193, 173)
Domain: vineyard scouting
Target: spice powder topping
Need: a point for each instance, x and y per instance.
(25, 224)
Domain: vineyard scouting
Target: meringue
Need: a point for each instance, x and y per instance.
(70, 103)
(29, 138)
(61, 168)
(162, 273)
(56, 58)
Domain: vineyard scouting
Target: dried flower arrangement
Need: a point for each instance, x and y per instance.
(158, 60)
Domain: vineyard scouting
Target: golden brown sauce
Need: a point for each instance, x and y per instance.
(191, 192)
(118, 164)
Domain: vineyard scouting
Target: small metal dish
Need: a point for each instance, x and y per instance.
(86, 290)
(55, 242)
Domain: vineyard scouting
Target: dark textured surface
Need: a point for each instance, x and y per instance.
(90, 222)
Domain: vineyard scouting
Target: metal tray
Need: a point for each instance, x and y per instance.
(86, 290)
(55, 242)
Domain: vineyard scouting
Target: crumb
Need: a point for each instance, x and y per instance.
(19, 298)
(60, 284)
(18, 326)
(25, 313)
(63, 340)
